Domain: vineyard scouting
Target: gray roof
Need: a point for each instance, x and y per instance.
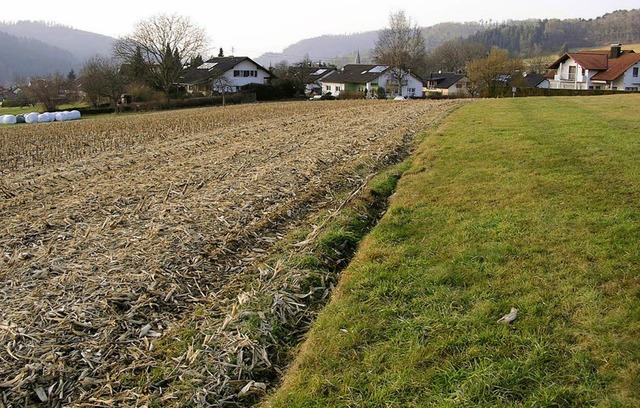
(444, 80)
(357, 74)
(213, 67)
(533, 80)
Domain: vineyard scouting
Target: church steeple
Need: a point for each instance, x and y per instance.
(358, 57)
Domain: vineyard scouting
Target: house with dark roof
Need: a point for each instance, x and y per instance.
(615, 69)
(231, 72)
(536, 81)
(370, 80)
(309, 75)
(313, 79)
(447, 84)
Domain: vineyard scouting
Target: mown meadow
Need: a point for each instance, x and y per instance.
(526, 203)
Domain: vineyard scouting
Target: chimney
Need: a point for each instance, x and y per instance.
(616, 51)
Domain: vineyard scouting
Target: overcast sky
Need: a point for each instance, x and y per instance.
(252, 27)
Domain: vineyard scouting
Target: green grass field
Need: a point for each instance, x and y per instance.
(37, 108)
(531, 203)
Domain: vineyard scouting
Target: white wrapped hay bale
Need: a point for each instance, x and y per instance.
(31, 117)
(8, 120)
(62, 116)
(74, 114)
(46, 117)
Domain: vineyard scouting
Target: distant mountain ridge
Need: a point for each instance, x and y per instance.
(340, 49)
(25, 57)
(519, 37)
(31, 48)
(82, 44)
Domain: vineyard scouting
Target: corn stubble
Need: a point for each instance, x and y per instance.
(114, 230)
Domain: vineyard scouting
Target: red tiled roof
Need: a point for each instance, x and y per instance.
(618, 66)
(591, 60)
(598, 60)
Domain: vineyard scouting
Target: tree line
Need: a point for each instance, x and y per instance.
(156, 53)
(559, 36)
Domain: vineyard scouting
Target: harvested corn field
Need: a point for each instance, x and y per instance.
(115, 231)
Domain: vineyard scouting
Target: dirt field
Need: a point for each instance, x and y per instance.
(116, 228)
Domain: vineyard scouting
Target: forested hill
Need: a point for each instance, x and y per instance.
(523, 38)
(23, 57)
(343, 48)
(82, 44)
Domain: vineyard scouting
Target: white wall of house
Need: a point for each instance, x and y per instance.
(245, 73)
(630, 81)
(332, 87)
(459, 89)
(413, 88)
(571, 75)
(544, 84)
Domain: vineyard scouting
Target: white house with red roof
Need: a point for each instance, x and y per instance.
(616, 69)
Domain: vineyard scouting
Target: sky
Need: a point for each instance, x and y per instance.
(251, 28)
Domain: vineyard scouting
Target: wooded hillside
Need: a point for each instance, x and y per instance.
(524, 38)
(22, 57)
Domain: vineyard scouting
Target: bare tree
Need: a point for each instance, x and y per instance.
(51, 91)
(401, 46)
(454, 55)
(102, 77)
(497, 70)
(166, 43)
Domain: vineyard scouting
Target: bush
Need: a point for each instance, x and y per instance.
(351, 95)
(434, 95)
(18, 102)
(144, 93)
(327, 97)
(265, 92)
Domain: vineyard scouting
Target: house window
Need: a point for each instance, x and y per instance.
(236, 73)
(635, 72)
(328, 88)
(572, 73)
(458, 85)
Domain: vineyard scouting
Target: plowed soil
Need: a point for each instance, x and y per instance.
(106, 247)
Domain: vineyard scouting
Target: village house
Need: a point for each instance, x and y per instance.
(313, 80)
(231, 72)
(615, 69)
(447, 84)
(369, 80)
(536, 81)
